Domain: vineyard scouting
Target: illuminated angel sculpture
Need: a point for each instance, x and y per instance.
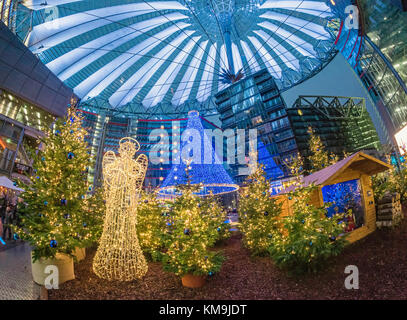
(119, 256)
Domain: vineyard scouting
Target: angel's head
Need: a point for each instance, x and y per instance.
(128, 147)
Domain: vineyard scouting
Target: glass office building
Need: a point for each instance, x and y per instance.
(158, 138)
(256, 103)
(20, 124)
(342, 123)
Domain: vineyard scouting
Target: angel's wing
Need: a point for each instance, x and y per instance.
(141, 169)
(108, 159)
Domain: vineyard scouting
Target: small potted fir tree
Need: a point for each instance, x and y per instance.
(57, 216)
(193, 227)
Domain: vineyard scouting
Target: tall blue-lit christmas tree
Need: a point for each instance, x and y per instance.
(205, 168)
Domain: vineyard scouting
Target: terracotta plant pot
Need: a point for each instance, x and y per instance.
(193, 281)
(63, 262)
(80, 254)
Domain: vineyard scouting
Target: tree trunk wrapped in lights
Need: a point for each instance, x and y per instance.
(119, 256)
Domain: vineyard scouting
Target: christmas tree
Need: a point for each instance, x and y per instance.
(393, 180)
(56, 216)
(218, 217)
(258, 212)
(191, 232)
(295, 167)
(308, 237)
(151, 225)
(95, 202)
(319, 158)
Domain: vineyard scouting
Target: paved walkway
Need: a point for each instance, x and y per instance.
(15, 274)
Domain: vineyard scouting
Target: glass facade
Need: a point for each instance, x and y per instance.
(255, 103)
(383, 65)
(158, 139)
(17, 109)
(9, 140)
(386, 26)
(20, 125)
(343, 124)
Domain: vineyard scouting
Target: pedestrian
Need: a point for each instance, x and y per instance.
(3, 206)
(2, 211)
(8, 221)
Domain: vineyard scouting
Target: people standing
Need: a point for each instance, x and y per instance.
(2, 211)
(9, 219)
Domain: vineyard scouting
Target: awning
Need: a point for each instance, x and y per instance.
(7, 183)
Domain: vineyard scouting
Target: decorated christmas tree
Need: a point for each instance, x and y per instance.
(211, 206)
(319, 157)
(96, 204)
(258, 212)
(151, 214)
(397, 180)
(295, 166)
(394, 180)
(307, 237)
(57, 214)
(191, 232)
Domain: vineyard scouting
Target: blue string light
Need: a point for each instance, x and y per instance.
(212, 176)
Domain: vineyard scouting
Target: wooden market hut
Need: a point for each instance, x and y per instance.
(353, 174)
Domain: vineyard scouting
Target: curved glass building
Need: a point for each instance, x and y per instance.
(151, 52)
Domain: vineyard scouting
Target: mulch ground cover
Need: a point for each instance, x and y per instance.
(381, 259)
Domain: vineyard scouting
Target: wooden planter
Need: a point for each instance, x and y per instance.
(80, 254)
(63, 262)
(193, 281)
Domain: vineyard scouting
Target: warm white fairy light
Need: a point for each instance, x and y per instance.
(119, 256)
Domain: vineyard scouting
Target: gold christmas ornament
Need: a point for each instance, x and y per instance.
(119, 256)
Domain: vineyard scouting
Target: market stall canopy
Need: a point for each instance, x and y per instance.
(7, 183)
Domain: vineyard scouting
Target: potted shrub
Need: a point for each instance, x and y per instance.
(193, 228)
(56, 216)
